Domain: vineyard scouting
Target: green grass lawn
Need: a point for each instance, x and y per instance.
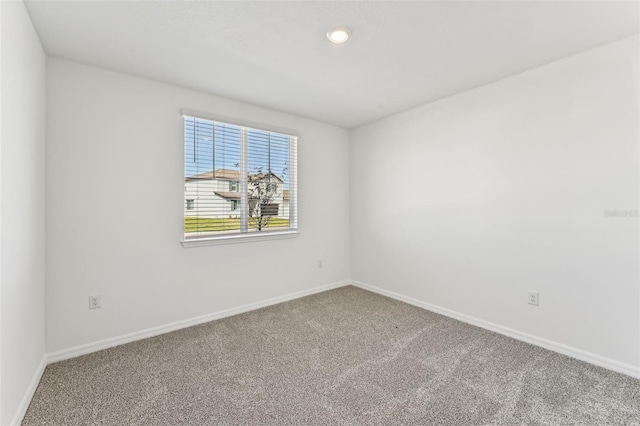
(203, 224)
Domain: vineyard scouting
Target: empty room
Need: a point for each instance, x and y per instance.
(319, 212)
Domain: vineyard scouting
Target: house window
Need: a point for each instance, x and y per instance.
(270, 209)
(271, 187)
(259, 166)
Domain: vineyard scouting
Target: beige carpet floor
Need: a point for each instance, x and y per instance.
(342, 357)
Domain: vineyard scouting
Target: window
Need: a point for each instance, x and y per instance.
(271, 187)
(245, 181)
(270, 209)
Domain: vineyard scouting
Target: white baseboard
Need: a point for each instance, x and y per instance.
(31, 390)
(608, 363)
(155, 331)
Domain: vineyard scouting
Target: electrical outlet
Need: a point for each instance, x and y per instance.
(95, 301)
(533, 298)
(319, 263)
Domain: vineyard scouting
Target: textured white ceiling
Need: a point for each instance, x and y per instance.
(275, 54)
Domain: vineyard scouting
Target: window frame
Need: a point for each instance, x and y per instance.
(294, 230)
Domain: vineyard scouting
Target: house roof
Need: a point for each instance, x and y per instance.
(222, 174)
(260, 176)
(227, 174)
(236, 195)
(228, 195)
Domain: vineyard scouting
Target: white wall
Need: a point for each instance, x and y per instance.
(22, 191)
(503, 189)
(108, 133)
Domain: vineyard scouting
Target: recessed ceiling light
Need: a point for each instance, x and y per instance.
(338, 35)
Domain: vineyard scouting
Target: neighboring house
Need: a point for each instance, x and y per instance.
(216, 194)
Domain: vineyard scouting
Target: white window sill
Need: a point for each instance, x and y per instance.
(242, 238)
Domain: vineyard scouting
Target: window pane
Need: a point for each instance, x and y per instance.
(212, 161)
(268, 180)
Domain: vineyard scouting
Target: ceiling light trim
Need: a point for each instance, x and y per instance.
(339, 35)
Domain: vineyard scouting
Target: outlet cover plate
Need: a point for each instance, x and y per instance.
(95, 301)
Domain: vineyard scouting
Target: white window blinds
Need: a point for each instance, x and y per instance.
(237, 180)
